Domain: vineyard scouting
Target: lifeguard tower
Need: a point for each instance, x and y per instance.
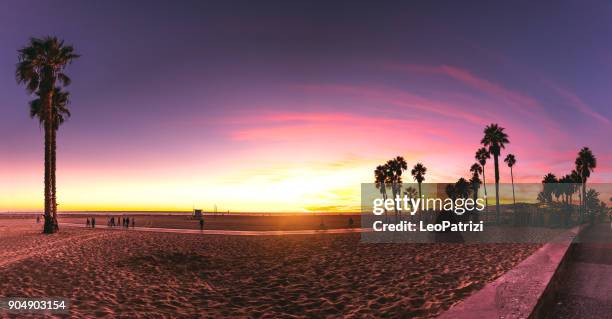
(197, 213)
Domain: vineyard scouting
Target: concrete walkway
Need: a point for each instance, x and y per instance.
(586, 288)
(232, 232)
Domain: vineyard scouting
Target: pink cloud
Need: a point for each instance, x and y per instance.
(523, 103)
(577, 103)
(403, 99)
(474, 112)
(329, 127)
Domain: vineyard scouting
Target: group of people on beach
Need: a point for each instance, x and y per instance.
(91, 223)
(124, 221)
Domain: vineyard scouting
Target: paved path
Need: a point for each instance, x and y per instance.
(586, 290)
(233, 232)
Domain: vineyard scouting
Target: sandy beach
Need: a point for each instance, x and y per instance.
(106, 273)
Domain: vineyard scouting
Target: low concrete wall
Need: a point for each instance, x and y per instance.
(523, 292)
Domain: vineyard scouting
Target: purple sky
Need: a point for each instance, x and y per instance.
(195, 99)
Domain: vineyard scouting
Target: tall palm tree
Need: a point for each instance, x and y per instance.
(395, 169)
(495, 139)
(380, 177)
(397, 165)
(418, 173)
(585, 164)
(41, 68)
(475, 183)
(481, 156)
(59, 114)
(380, 180)
(511, 160)
(476, 170)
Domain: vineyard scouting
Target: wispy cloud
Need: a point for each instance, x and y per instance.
(343, 131)
(400, 98)
(522, 102)
(577, 103)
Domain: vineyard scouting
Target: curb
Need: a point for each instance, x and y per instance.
(526, 291)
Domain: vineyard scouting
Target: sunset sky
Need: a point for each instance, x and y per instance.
(287, 106)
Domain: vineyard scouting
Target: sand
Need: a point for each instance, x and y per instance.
(110, 273)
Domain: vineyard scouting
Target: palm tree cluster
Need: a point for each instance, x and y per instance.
(390, 175)
(41, 65)
(494, 141)
(563, 188)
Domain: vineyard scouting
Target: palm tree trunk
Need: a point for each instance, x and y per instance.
(497, 211)
(48, 226)
(394, 193)
(484, 184)
(473, 213)
(383, 191)
(420, 196)
(512, 178)
(570, 209)
(580, 208)
(53, 177)
(584, 205)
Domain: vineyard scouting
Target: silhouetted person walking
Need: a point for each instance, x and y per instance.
(88, 223)
(93, 222)
(201, 223)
